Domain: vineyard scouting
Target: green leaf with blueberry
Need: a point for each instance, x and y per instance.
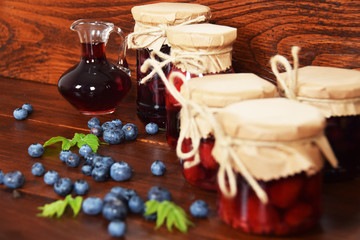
(57, 208)
(168, 211)
(79, 139)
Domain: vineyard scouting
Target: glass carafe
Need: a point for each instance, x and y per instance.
(95, 86)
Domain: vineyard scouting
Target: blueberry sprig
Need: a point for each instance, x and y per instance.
(58, 207)
(79, 139)
(169, 211)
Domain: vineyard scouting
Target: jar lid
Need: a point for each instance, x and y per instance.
(271, 119)
(335, 91)
(220, 90)
(202, 35)
(168, 13)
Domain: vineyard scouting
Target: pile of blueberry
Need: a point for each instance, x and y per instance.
(23, 112)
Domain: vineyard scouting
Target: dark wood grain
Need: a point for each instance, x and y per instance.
(53, 116)
(36, 43)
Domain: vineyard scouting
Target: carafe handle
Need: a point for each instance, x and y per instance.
(122, 64)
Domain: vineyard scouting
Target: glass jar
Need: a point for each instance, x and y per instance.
(198, 50)
(219, 91)
(149, 35)
(277, 169)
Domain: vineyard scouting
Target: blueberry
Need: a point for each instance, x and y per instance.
(108, 125)
(111, 196)
(85, 150)
(14, 179)
(86, 170)
(72, 160)
(118, 123)
(151, 128)
(51, 177)
(20, 114)
(104, 161)
(92, 205)
(158, 168)
(199, 209)
(159, 194)
(81, 187)
(100, 174)
(37, 169)
(114, 210)
(64, 154)
(117, 228)
(36, 150)
(97, 130)
(1, 177)
(136, 204)
(93, 122)
(89, 158)
(120, 171)
(28, 107)
(63, 186)
(130, 131)
(126, 193)
(113, 136)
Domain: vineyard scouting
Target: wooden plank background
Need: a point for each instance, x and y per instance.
(36, 42)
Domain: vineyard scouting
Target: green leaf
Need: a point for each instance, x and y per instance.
(180, 221)
(75, 204)
(55, 140)
(170, 222)
(162, 212)
(92, 141)
(58, 207)
(151, 207)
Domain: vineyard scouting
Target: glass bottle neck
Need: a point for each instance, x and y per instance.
(93, 51)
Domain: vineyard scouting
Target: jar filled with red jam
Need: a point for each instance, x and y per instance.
(151, 20)
(197, 50)
(219, 91)
(336, 93)
(277, 151)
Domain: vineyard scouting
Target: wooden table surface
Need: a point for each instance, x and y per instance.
(53, 116)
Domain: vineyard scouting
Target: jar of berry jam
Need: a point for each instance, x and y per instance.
(196, 50)
(270, 165)
(336, 93)
(219, 91)
(151, 20)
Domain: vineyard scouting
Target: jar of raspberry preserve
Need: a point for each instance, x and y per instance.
(336, 93)
(270, 165)
(218, 91)
(151, 20)
(196, 50)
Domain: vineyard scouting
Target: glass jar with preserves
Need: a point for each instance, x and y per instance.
(216, 92)
(270, 165)
(196, 50)
(336, 93)
(151, 20)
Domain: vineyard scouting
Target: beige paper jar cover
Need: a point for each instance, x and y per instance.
(211, 43)
(220, 90)
(161, 15)
(274, 138)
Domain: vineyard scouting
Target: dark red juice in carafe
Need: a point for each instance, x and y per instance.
(94, 86)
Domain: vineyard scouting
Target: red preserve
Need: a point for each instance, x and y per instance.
(151, 20)
(196, 50)
(275, 185)
(219, 91)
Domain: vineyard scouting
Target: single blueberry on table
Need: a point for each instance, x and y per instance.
(97, 130)
(151, 128)
(117, 122)
(120, 171)
(158, 168)
(113, 136)
(28, 107)
(1, 177)
(20, 114)
(131, 131)
(85, 150)
(37, 169)
(136, 204)
(92, 205)
(93, 122)
(51, 177)
(64, 154)
(114, 210)
(86, 170)
(100, 174)
(14, 179)
(199, 209)
(159, 194)
(63, 186)
(117, 228)
(36, 150)
(72, 160)
(81, 187)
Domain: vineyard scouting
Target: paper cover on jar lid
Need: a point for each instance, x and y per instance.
(160, 15)
(275, 137)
